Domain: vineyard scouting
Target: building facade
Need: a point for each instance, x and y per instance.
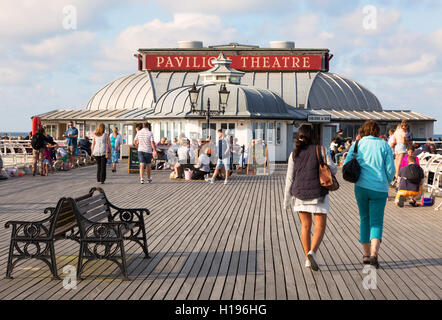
(272, 92)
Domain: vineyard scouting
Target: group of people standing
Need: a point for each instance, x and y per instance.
(304, 193)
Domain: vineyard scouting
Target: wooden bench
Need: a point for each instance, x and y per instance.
(91, 220)
(102, 227)
(35, 239)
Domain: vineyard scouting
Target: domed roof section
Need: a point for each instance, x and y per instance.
(244, 101)
(331, 91)
(134, 91)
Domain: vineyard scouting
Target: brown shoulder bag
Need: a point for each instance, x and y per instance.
(326, 178)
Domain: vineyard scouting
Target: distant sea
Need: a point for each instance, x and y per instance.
(14, 134)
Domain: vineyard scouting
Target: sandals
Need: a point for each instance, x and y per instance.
(374, 262)
(366, 261)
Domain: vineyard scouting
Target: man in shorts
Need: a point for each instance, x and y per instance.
(71, 137)
(146, 150)
(223, 158)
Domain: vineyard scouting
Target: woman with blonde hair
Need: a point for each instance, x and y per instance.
(101, 151)
(398, 143)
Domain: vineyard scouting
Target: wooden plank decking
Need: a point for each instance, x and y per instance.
(225, 242)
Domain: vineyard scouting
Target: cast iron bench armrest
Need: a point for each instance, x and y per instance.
(31, 229)
(49, 210)
(127, 214)
(102, 230)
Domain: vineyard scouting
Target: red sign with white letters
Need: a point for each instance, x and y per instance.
(239, 62)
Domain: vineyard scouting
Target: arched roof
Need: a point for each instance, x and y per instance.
(310, 90)
(331, 91)
(134, 91)
(244, 102)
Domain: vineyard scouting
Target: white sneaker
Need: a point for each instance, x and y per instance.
(142, 181)
(226, 181)
(312, 258)
(210, 180)
(149, 180)
(308, 264)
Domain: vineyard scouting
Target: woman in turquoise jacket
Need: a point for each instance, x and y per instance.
(371, 190)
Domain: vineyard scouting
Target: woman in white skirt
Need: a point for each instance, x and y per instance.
(304, 192)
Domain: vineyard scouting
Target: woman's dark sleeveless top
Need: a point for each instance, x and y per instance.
(306, 184)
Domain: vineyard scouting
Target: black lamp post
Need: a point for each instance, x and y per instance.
(223, 97)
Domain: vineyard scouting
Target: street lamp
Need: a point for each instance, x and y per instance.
(193, 96)
(223, 97)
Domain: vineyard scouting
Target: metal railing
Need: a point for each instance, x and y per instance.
(18, 154)
(432, 166)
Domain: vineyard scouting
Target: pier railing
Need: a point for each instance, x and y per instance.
(16, 155)
(432, 166)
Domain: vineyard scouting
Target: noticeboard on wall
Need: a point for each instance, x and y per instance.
(134, 164)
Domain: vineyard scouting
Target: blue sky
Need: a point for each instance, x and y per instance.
(44, 66)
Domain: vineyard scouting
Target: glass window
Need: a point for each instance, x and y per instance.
(169, 130)
(232, 129)
(51, 129)
(176, 131)
(254, 128)
(162, 129)
(204, 130)
(263, 131)
(278, 133)
(270, 132)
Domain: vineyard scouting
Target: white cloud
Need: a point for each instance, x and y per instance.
(158, 34)
(306, 31)
(29, 18)
(425, 63)
(435, 38)
(225, 6)
(56, 47)
(353, 22)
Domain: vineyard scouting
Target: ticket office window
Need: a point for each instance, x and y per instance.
(204, 130)
(51, 129)
(230, 127)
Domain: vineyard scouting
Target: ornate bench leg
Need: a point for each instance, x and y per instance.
(123, 261)
(145, 249)
(80, 261)
(10, 266)
(53, 262)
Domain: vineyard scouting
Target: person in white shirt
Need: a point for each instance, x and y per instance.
(146, 150)
(186, 157)
(203, 166)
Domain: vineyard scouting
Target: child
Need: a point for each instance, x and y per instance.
(410, 152)
(411, 179)
(333, 148)
(47, 161)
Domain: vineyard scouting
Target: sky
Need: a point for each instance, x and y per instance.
(55, 54)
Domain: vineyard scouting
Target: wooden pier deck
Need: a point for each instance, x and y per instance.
(218, 241)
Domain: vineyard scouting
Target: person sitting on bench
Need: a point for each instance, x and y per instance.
(203, 166)
(411, 179)
(186, 156)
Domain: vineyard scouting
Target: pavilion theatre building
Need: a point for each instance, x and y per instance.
(272, 92)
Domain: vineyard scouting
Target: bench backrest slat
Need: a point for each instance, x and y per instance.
(93, 207)
(97, 214)
(65, 218)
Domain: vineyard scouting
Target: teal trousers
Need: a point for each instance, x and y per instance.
(371, 211)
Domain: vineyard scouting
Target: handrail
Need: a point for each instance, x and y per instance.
(18, 158)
